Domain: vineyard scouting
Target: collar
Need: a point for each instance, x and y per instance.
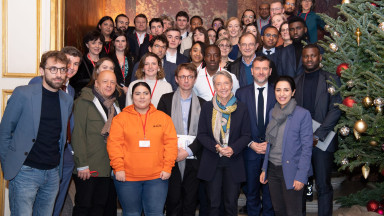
(272, 50)
(248, 65)
(188, 99)
(263, 86)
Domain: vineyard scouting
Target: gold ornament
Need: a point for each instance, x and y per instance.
(379, 110)
(378, 102)
(358, 34)
(381, 26)
(336, 34)
(327, 28)
(350, 84)
(344, 131)
(333, 47)
(361, 126)
(345, 161)
(367, 102)
(357, 135)
(346, 2)
(365, 170)
(373, 143)
(331, 90)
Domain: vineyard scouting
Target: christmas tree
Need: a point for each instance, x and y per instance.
(354, 50)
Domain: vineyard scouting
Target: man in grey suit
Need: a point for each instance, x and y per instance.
(32, 137)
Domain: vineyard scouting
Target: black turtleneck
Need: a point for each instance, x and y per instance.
(309, 92)
(298, 50)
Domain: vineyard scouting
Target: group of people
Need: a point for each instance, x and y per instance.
(166, 120)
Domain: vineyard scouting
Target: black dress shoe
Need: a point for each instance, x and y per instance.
(243, 210)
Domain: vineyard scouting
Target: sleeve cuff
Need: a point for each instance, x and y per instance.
(190, 153)
(82, 168)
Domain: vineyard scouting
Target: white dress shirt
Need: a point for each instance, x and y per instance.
(265, 96)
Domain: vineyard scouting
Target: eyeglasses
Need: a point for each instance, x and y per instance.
(217, 24)
(186, 77)
(264, 9)
(276, 9)
(290, 4)
(54, 70)
(224, 46)
(251, 45)
(158, 46)
(271, 35)
(250, 17)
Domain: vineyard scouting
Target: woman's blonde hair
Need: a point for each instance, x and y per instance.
(140, 70)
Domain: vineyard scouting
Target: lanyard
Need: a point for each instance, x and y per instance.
(153, 91)
(89, 57)
(206, 76)
(305, 18)
(122, 67)
(109, 47)
(145, 123)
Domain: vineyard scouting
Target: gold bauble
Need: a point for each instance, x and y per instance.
(333, 47)
(336, 34)
(346, 2)
(358, 34)
(379, 109)
(367, 102)
(365, 170)
(373, 143)
(381, 26)
(331, 90)
(327, 28)
(361, 126)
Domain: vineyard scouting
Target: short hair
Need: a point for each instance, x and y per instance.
(72, 51)
(314, 46)
(120, 15)
(161, 38)
(182, 14)
(242, 16)
(141, 84)
(287, 79)
(172, 29)
(294, 19)
(231, 19)
(95, 72)
(218, 19)
(102, 20)
(201, 29)
(270, 27)
(166, 17)
(140, 16)
(224, 73)
(156, 20)
(214, 46)
(245, 35)
(196, 17)
(57, 56)
(312, 7)
(187, 66)
(277, 1)
(92, 36)
(202, 46)
(262, 58)
(140, 72)
(120, 33)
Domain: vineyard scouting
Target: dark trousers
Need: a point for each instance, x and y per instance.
(322, 166)
(222, 186)
(183, 194)
(95, 196)
(285, 202)
(253, 187)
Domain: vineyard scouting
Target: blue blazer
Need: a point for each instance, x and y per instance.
(239, 137)
(246, 95)
(297, 147)
(287, 62)
(20, 125)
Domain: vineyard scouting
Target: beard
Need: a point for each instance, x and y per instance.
(52, 84)
(298, 40)
(290, 13)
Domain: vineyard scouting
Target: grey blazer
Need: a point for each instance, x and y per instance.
(20, 125)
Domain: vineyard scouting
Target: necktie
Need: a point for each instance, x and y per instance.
(64, 88)
(260, 112)
(268, 52)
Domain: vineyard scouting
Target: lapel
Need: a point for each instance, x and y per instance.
(63, 110)
(71, 91)
(36, 99)
(299, 92)
(251, 98)
(270, 101)
(286, 129)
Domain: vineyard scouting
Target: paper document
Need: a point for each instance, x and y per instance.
(183, 141)
(323, 145)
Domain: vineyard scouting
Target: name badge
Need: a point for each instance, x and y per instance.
(144, 143)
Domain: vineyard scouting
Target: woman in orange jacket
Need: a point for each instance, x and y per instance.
(142, 147)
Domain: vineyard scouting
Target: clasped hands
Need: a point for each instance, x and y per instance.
(259, 148)
(224, 151)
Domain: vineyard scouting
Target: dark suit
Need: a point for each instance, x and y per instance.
(134, 45)
(223, 178)
(327, 114)
(287, 63)
(180, 58)
(169, 70)
(237, 68)
(83, 75)
(182, 194)
(253, 160)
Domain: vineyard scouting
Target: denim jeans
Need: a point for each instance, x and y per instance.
(33, 191)
(149, 195)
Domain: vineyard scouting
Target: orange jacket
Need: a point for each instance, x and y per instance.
(142, 163)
